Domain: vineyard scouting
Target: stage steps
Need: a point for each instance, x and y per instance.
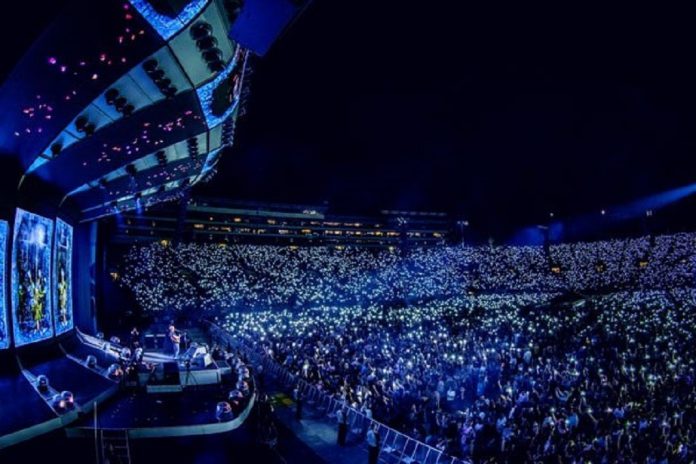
(115, 447)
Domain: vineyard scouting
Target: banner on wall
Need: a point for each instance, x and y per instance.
(62, 278)
(4, 326)
(31, 278)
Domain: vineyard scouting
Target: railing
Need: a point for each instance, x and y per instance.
(115, 446)
(395, 447)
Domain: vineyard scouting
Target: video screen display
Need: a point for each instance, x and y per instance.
(31, 278)
(4, 333)
(62, 277)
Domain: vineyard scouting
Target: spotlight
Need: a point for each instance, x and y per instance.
(159, 78)
(68, 397)
(170, 91)
(202, 33)
(201, 30)
(150, 65)
(58, 402)
(63, 401)
(81, 123)
(156, 75)
(223, 411)
(114, 372)
(131, 170)
(206, 43)
(120, 103)
(42, 383)
(193, 147)
(212, 55)
(111, 95)
(128, 110)
(216, 66)
(56, 148)
(161, 158)
(91, 361)
(163, 83)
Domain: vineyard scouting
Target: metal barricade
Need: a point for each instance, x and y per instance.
(420, 452)
(324, 401)
(388, 441)
(395, 447)
(432, 456)
(408, 454)
(334, 406)
(357, 425)
(352, 417)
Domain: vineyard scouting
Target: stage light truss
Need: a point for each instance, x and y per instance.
(166, 26)
(181, 65)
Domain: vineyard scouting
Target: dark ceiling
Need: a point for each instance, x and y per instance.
(499, 115)
(496, 114)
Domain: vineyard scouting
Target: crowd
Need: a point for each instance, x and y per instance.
(211, 276)
(518, 378)
(479, 351)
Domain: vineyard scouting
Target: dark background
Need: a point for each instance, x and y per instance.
(498, 114)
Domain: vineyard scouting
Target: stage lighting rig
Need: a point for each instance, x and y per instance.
(131, 170)
(161, 158)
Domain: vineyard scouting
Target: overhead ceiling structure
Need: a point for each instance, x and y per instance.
(124, 104)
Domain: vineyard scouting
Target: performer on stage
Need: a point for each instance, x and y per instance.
(175, 340)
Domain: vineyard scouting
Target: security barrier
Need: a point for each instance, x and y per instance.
(395, 447)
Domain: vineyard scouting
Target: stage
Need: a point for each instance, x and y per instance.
(166, 398)
(30, 411)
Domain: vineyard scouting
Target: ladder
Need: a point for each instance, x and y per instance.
(115, 447)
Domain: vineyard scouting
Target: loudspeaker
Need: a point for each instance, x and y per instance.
(202, 360)
(170, 373)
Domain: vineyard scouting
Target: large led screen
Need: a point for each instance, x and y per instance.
(4, 333)
(31, 278)
(62, 278)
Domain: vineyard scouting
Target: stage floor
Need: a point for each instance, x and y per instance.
(23, 407)
(144, 410)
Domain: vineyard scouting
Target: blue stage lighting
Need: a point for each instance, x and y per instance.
(205, 94)
(165, 26)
